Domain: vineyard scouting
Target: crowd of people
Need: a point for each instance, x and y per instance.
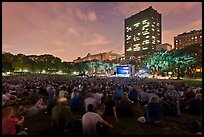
(99, 100)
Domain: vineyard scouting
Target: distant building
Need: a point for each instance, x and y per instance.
(165, 46)
(142, 33)
(188, 38)
(100, 57)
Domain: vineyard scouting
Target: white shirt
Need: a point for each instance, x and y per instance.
(97, 97)
(88, 101)
(89, 121)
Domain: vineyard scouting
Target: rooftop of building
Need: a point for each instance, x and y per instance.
(143, 11)
(191, 32)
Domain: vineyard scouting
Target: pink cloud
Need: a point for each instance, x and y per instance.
(97, 40)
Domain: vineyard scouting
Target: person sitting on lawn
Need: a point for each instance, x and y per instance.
(51, 102)
(76, 101)
(125, 108)
(110, 108)
(133, 96)
(90, 120)
(194, 106)
(8, 99)
(36, 109)
(153, 111)
(61, 116)
(171, 96)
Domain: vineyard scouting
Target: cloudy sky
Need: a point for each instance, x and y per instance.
(73, 29)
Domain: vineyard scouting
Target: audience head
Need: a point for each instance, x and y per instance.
(154, 100)
(8, 112)
(90, 108)
(62, 101)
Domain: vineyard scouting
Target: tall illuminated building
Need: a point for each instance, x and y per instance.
(142, 33)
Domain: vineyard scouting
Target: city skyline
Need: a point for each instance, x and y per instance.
(73, 29)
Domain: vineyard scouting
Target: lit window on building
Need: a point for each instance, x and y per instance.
(137, 48)
(145, 33)
(144, 21)
(157, 24)
(128, 37)
(144, 48)
(138, 33)
(128, 29)
(147, 25)
(146, 41)
(200, 36)
(136, 24)
(152, 25)
(152, 29)
(135, 45)
(195, 37)
(129, 49)
(192, 37)
(136, 38)
(147, 37)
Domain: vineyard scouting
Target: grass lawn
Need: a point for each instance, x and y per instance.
(125, 126)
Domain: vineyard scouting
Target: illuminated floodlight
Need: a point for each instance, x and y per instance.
(59, 72)
(76, 73)
(169, 73)
(198, 70)
(25, 70)
(43, 71)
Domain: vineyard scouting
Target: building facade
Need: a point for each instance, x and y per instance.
(100, 57)
(142, 33)
(188, 38)
(165, 46)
